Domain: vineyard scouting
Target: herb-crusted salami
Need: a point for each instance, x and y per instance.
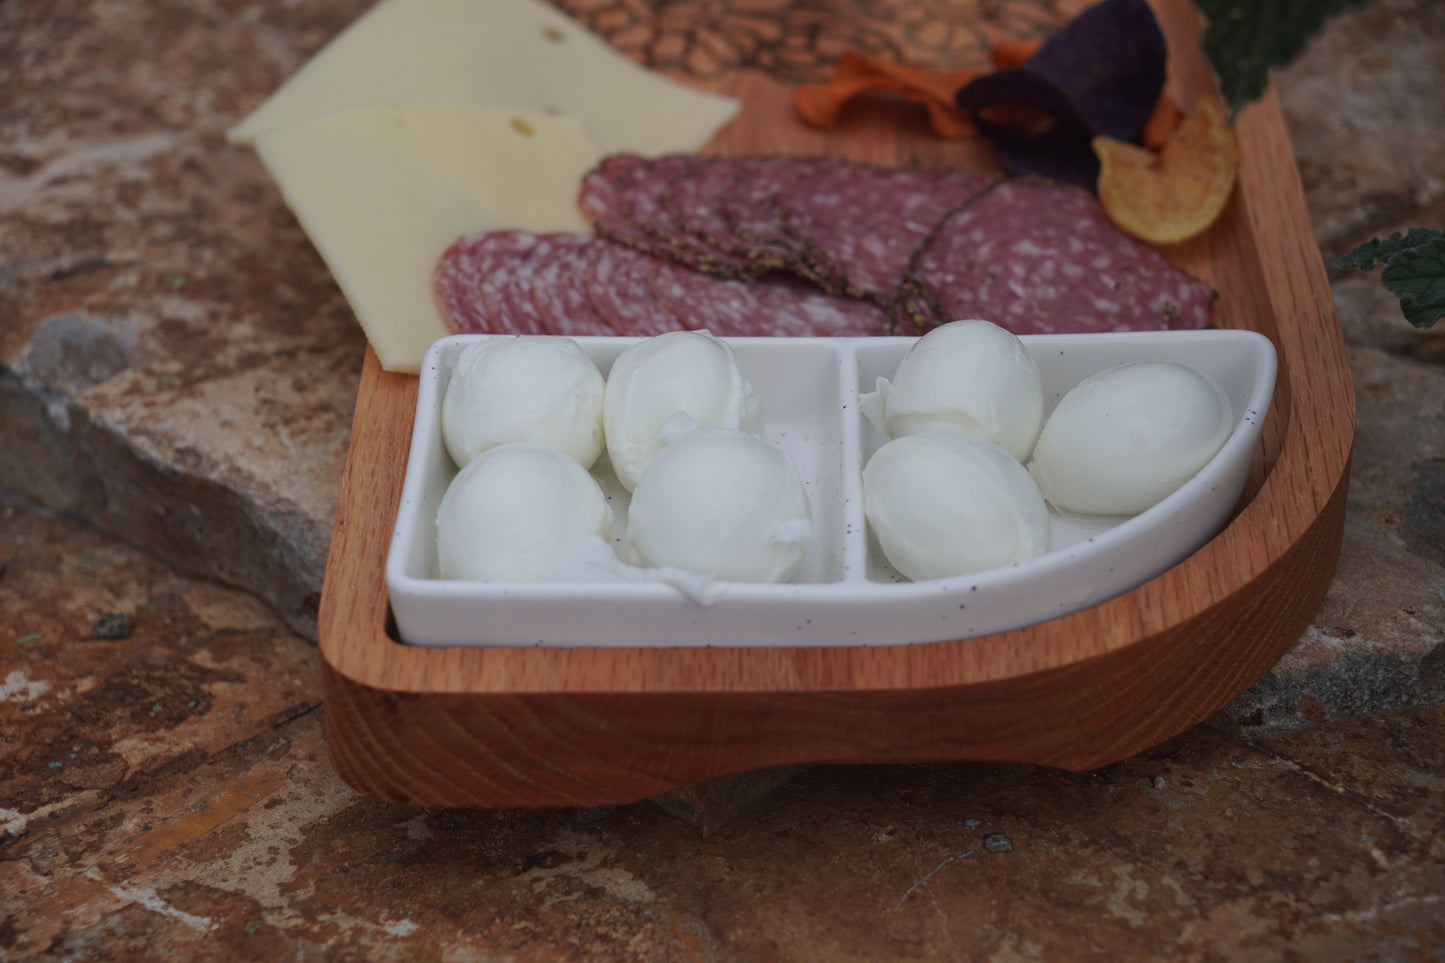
(1042, 258)
(869, 220)
(750, 209)
(718, 215)
(600, 194)
(698, 205)
(624, 200)
(927, 245)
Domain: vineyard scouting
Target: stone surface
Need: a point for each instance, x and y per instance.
(1364, 105)
(167, 796)
(176, 364)
(1378, 641)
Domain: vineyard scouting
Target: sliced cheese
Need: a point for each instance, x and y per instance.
(520, 54)
(383, 191)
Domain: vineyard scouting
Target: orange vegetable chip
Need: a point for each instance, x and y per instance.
(1178, 192)
(821, 104)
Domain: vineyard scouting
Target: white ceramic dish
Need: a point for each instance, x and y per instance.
(845, 593)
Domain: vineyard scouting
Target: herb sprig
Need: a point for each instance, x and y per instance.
(1414, 271)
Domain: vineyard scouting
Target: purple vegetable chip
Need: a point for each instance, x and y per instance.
(1101, 74)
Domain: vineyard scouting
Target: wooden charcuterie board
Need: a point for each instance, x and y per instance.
(593, 726)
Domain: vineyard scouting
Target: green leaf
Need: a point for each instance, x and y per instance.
(1245, 39)
(1374, 251)
(1414, 271)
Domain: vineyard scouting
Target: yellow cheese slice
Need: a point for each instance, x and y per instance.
(383, 191)
(519, 54)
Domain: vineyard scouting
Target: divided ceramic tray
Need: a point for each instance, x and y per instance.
(845, 591)
(500, 725)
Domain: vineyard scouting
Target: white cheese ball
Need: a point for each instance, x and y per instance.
(688, 371)
(721, 503)
(944, 504)
(1124, 439)
(972, 377)
(527, 389)
(517, 512)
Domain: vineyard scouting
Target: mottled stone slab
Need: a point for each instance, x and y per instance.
(167, 796)
(1378, 641)
(1364, 105)
(118, 671)
(176, 364)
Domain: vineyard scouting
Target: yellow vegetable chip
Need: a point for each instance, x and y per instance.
(1178, 192)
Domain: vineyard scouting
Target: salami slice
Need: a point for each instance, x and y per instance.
(471, 278)
(624, 202)
(717, 215)
(749, 207)
(819, 314)
(724, 307)
(1042, 258)
(799, 311)
(563, 299)
(695, 203)
(511, 287)
(775, 306)
(620, 285)
(600, 194)
(869, 220)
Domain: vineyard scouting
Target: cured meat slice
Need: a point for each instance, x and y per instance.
(721, 306)
(749, 205)
(749, 208)
(620, 285)
(624, 202)
(800, 312)
(471, 277)
(564, 304)
(512, 286)
(777, 306)
(487, 283)
(696, 204)
(600, 195)
(715, 214)
(628, 207)
(869, 220)
(1042, 258)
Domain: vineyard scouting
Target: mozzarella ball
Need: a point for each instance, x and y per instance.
(721, 503)
(943, 504)
(688, 371)
(529, 389)
(517, 512)
(1122, 440)
(972, 377)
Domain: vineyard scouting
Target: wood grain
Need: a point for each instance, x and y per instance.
(545, 727)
